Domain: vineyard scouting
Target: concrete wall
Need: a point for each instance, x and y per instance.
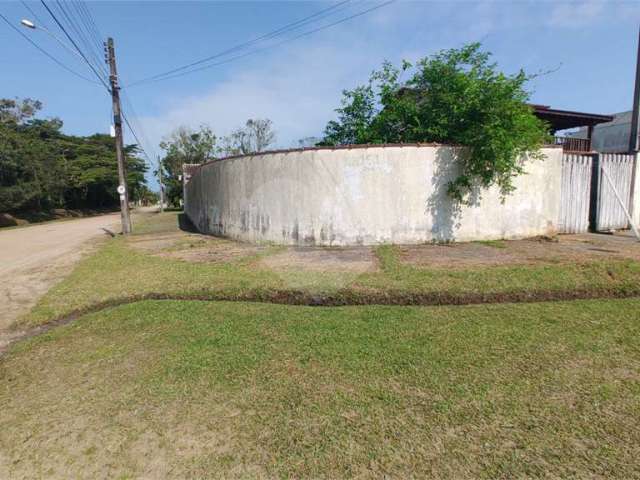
(385, 194)
(612, 137)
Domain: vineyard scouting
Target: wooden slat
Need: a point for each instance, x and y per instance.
(610, 215)
(575, 193)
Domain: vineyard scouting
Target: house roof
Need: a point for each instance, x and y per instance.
(564, 119)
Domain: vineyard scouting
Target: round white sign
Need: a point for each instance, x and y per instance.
(121, 189)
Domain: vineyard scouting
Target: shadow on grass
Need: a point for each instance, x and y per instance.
(185, 224)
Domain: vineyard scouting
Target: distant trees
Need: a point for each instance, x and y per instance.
(41, 168)
(455, 96)
(185, 145)
(255, 136)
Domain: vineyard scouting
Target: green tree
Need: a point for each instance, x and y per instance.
(42, 168)
(456, 96)
(184, 146)
(355, 117)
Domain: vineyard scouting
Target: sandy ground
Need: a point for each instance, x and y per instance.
(34, 258)
(563, 249)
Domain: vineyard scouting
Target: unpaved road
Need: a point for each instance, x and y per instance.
(33, 258)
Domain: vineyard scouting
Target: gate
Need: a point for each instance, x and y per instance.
(587, 197)
(575, 192)
(606, 212)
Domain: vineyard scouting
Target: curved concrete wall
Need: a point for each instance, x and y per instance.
(365, 196)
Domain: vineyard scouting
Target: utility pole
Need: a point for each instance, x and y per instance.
(633, 134)
(117, 124)
(160, 181)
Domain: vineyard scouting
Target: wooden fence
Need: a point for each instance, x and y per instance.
(574, 144)
(588, 199)
(575, 192)
(607, 214)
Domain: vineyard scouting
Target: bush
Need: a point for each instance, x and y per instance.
(458, 97)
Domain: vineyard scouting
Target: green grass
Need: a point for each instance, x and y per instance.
(603, 275)
(208, 389)
(117, 271)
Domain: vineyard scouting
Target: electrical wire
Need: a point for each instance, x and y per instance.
(275, 33)
(131, 120)
(89, 23)
(89, 40)
(44, 52)
(133, 132)
(75, 45)
(253, 52)
(90, 47)
(35, 15)
(94, 38)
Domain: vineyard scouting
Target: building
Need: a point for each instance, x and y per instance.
(581, 140)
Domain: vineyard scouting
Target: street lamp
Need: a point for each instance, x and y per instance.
(29, 24)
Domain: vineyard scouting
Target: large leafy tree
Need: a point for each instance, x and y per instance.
(184, 145)
(42, 168)
(456, 96)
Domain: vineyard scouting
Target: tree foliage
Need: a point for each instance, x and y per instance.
(456, 96)
(184, 145)
(255, 136)
(41, 168)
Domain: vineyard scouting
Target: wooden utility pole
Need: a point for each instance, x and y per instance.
(117, 124)
(161, 182)
(633, 134)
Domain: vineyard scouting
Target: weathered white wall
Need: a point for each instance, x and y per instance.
(394, 194)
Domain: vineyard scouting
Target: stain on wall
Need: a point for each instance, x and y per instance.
(365, 196)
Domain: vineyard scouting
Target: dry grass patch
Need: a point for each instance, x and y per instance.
(194, 248)
(564, 249)
(324, 259)
(151, 264)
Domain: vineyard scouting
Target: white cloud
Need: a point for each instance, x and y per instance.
(300, 85)
(577, 14)
(297, 88)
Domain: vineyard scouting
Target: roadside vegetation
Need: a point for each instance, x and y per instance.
(455, 96)
(195, 146)
(122, 271)
(188, 389)
(45, 173)
(200, 389)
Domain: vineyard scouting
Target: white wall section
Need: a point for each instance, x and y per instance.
(365, 196)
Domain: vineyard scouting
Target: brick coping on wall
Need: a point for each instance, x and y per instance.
(341, 147)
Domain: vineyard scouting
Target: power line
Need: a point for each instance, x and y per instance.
(87, 19)
(35, 15)
(92, 30)
(258, 50)
(75, 45)
(77, 23)
(43, 51)
(138, 125)
(284, 29)
(133, 132)
(75, 26)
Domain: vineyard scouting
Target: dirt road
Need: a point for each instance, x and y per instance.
(33, 258)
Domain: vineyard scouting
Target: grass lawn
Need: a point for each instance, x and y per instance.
(118, 271)
(181, 389)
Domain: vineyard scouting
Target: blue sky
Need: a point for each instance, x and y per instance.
(299, 84)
